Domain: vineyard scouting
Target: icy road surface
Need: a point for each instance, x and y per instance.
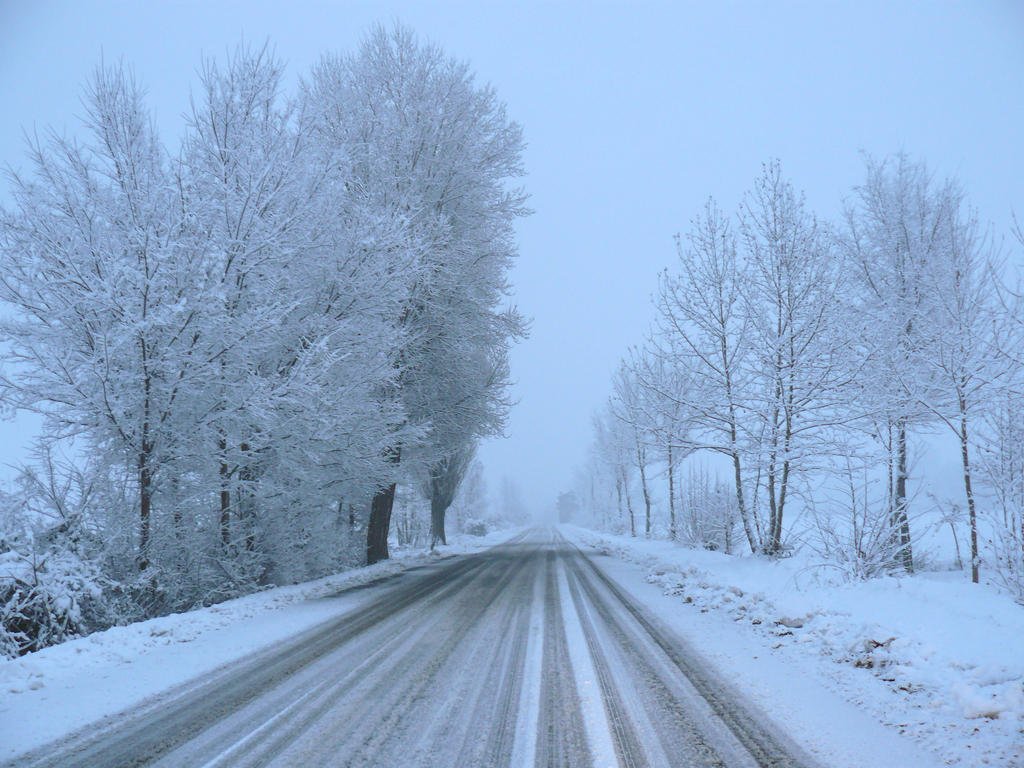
(525, 654)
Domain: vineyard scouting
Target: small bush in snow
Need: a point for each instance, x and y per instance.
(49, 589)
(854, 533)
(43, 598)
(474, 526)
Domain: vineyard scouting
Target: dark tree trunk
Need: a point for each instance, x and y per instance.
(380, 525)
(776, 536)
(246, 511)
(641, 460)
(647, 503)
(145, 506)
(969, 489)
(671, 496)
(901, 522)
(225, 492)
(773, 510)
(145, 483)
(741, 505)
(890, 465)
(437, 512)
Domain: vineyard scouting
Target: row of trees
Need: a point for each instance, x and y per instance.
(803, 355)
(245, 343)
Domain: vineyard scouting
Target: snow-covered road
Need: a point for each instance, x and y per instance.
(525, 654)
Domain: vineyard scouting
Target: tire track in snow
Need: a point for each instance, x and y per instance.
(628, 748)
(561, 738)
(524, 750)
(677, 674)
(258, 742)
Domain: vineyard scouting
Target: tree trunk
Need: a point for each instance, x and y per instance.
(380, 524)
(437, 512)
(618, 493)
(641, 463)
(773, 511)
(728, 528)
(901, 523)
(968, 489)
(780, 509)
(246, 493)
(770, 546)
(741, 504)
(748, 528)
(889, 465)
(145, 481)
(225, 492)
(671, 497)
(145, 505)
(632, 516)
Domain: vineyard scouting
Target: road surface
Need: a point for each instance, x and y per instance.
(523, 655)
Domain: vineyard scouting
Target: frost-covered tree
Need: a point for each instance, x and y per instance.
(440, 485)
(703, 331)
(1001, 439)
(897, 228)
(97, 266)
(470, 509)
(753, 328)
(665, 389)
(425, 141)
(245, 172)
(806, 355)
(798, 366)
(297, 322)
(239, 339)
(629, 407)
(960, 347)
(613, 457)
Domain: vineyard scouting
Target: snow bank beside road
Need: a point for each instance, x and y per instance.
(55, 691)
(933, 657)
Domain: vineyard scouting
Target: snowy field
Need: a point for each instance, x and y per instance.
(937, 660)
(58, 690)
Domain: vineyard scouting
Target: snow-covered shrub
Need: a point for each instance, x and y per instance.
(474, 526)
(50, 578)
(708, 514)
(854, 530)
(43, 598)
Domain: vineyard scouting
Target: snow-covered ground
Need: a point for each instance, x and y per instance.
(58, 690)
(936, 659)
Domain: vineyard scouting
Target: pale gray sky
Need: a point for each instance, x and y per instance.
(634, 114)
